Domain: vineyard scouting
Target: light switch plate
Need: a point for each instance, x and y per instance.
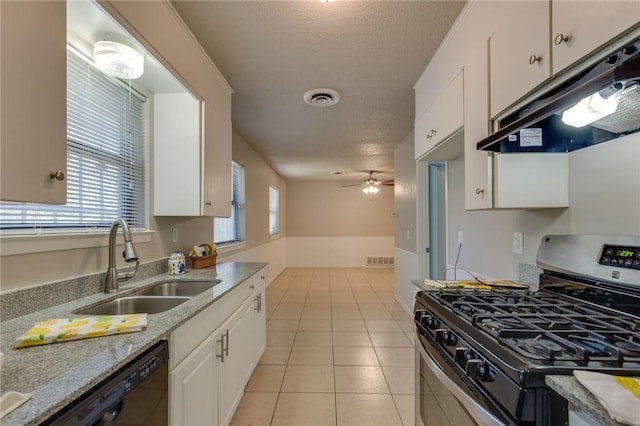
(517, 242)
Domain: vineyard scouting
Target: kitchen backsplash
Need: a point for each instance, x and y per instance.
(23, 301)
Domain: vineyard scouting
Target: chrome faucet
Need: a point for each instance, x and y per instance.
(113, 277)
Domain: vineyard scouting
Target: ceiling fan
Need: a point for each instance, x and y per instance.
(371, 185)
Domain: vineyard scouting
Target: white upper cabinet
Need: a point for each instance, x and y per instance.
(216, 182)
(477, 164)
(533, 40)
(204, 177)
(519, 51)
(579, 27)
(190, 158)
(441, 120)
(33, 70)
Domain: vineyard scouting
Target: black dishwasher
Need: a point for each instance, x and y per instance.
(107, 403)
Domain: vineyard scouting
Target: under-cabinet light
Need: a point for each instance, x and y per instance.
(592, 108)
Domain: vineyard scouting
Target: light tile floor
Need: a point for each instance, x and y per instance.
(339, 352)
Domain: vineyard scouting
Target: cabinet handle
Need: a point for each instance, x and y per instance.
(257, 299)
(226, 348)
(533, 59)
(252, 286)
(434, 131)
(479, 191)
(57, 175)
(208, 203)
(221, 341)
(262, 277)
(561, 38)
(429, 136)
(260, 303)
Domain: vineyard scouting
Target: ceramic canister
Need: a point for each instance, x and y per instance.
(176, 264)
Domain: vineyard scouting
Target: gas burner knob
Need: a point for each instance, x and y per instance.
(451, 339)
(442, 335)
(612, 60)
(425, 320)
(473, 367)
(460, 356)
(484, 372)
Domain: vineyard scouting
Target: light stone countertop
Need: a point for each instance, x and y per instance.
(59, 373)
(570, 388)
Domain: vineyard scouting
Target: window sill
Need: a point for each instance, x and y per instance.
(39, 243)
(230, 247)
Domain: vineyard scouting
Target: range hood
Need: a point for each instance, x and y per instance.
(613, 84)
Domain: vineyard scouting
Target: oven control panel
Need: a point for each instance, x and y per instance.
(620, 256)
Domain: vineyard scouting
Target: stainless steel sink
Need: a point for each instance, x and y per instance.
(179, 288)
(134, 305)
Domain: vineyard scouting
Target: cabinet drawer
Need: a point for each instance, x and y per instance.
(190, 334)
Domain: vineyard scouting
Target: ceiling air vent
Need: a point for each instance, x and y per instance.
(322, 97)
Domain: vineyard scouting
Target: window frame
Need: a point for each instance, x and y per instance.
(237, 209)
(81, 145)
(41, 240)
(274, 231)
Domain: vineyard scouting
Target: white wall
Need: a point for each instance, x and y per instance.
(336, 251)
(604, 198)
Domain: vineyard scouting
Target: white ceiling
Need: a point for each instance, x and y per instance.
(272, 52)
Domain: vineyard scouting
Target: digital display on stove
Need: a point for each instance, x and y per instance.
(621, 257)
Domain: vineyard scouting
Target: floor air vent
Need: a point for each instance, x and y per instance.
(379, 261)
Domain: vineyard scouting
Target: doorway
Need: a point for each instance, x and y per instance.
(437, 205)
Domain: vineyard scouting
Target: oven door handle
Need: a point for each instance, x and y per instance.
(477, 411)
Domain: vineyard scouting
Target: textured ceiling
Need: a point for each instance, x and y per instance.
(272, 52)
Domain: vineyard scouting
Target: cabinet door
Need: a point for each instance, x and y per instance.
(33, 138)
(477, 164)
(579, 27)
(422, 133)
(217, 163)
(259, 326)
(177, 155)
(236, 332)
(194, 386)
(519, 51)
(441, 120)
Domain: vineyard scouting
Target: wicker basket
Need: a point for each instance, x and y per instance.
(203, 261)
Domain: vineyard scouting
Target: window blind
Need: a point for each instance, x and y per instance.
(231, 229)
(106, 129)
(274, 207)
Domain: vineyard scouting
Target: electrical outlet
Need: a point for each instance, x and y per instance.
(517, 242)
(174, 234)
(460, 238)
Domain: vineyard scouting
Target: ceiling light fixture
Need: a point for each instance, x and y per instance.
(118, 60)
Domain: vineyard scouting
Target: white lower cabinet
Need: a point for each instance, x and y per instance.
(233, 368)
(193, 386)
(213, 355)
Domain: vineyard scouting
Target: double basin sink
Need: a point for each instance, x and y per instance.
(158, 298)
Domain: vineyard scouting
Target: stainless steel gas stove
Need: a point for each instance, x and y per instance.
(493, 349)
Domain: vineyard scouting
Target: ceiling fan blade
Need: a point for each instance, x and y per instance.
(355, 184)
(386, 182)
